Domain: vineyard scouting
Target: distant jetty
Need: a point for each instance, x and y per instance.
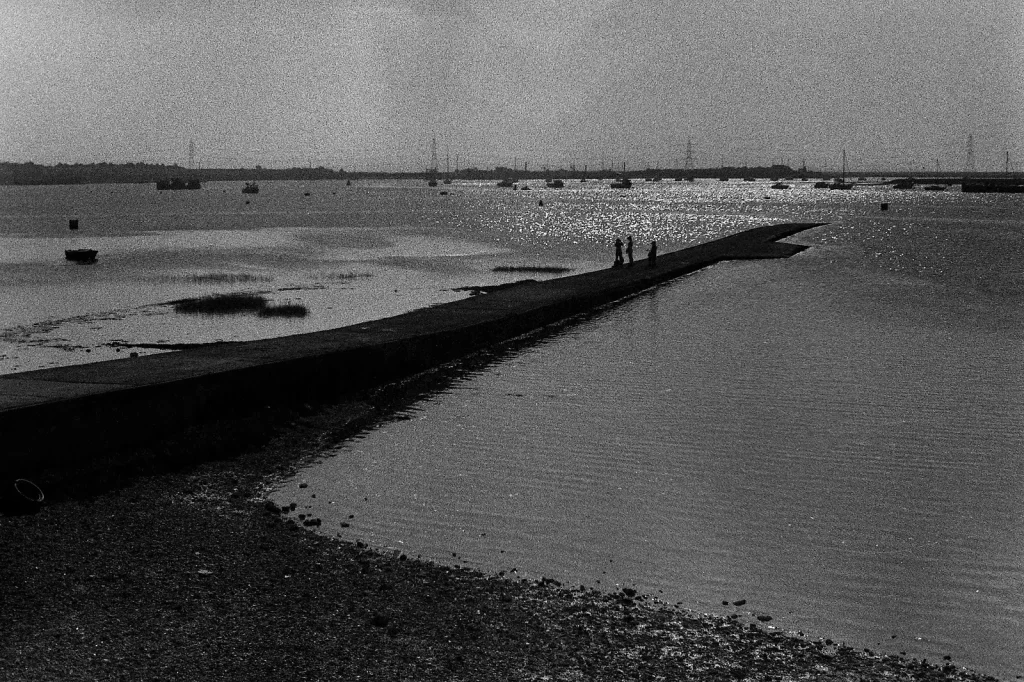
(994, 185)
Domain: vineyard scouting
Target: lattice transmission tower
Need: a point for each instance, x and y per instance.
(433, 155)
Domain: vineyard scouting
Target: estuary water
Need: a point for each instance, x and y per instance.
(835, 438)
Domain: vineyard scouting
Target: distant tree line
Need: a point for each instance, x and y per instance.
(84, 173)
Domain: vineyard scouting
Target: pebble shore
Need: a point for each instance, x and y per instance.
(162, 565)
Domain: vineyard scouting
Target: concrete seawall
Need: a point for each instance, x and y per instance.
(60, 415)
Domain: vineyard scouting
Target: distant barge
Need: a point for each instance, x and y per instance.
(1000, 185)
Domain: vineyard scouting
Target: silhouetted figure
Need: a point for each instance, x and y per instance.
(618, 253)
(629, 248)
(652, 255)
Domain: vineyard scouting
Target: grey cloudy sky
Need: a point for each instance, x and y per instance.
(364, 85)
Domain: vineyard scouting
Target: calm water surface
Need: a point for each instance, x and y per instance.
(836, 438)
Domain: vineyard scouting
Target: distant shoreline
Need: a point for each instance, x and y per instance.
(28, 173)
(144, 173)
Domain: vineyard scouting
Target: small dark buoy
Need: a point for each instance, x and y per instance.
(73, 224)
(885, 206)
(540, 203)
(306, 194)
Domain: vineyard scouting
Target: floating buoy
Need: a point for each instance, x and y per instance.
(885, 206)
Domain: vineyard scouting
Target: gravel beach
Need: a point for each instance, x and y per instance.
(169, 564)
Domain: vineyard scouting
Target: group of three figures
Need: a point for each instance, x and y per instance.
(652, 253)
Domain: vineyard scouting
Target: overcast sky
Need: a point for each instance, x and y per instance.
(366, 85)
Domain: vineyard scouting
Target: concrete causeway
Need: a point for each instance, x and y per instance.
(59, 415)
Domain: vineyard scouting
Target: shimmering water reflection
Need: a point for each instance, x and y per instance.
(840, 448)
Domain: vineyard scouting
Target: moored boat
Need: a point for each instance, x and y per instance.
(81, 255)
(251, 188)
(841, 183)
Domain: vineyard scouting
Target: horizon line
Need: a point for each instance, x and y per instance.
(872, 171)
